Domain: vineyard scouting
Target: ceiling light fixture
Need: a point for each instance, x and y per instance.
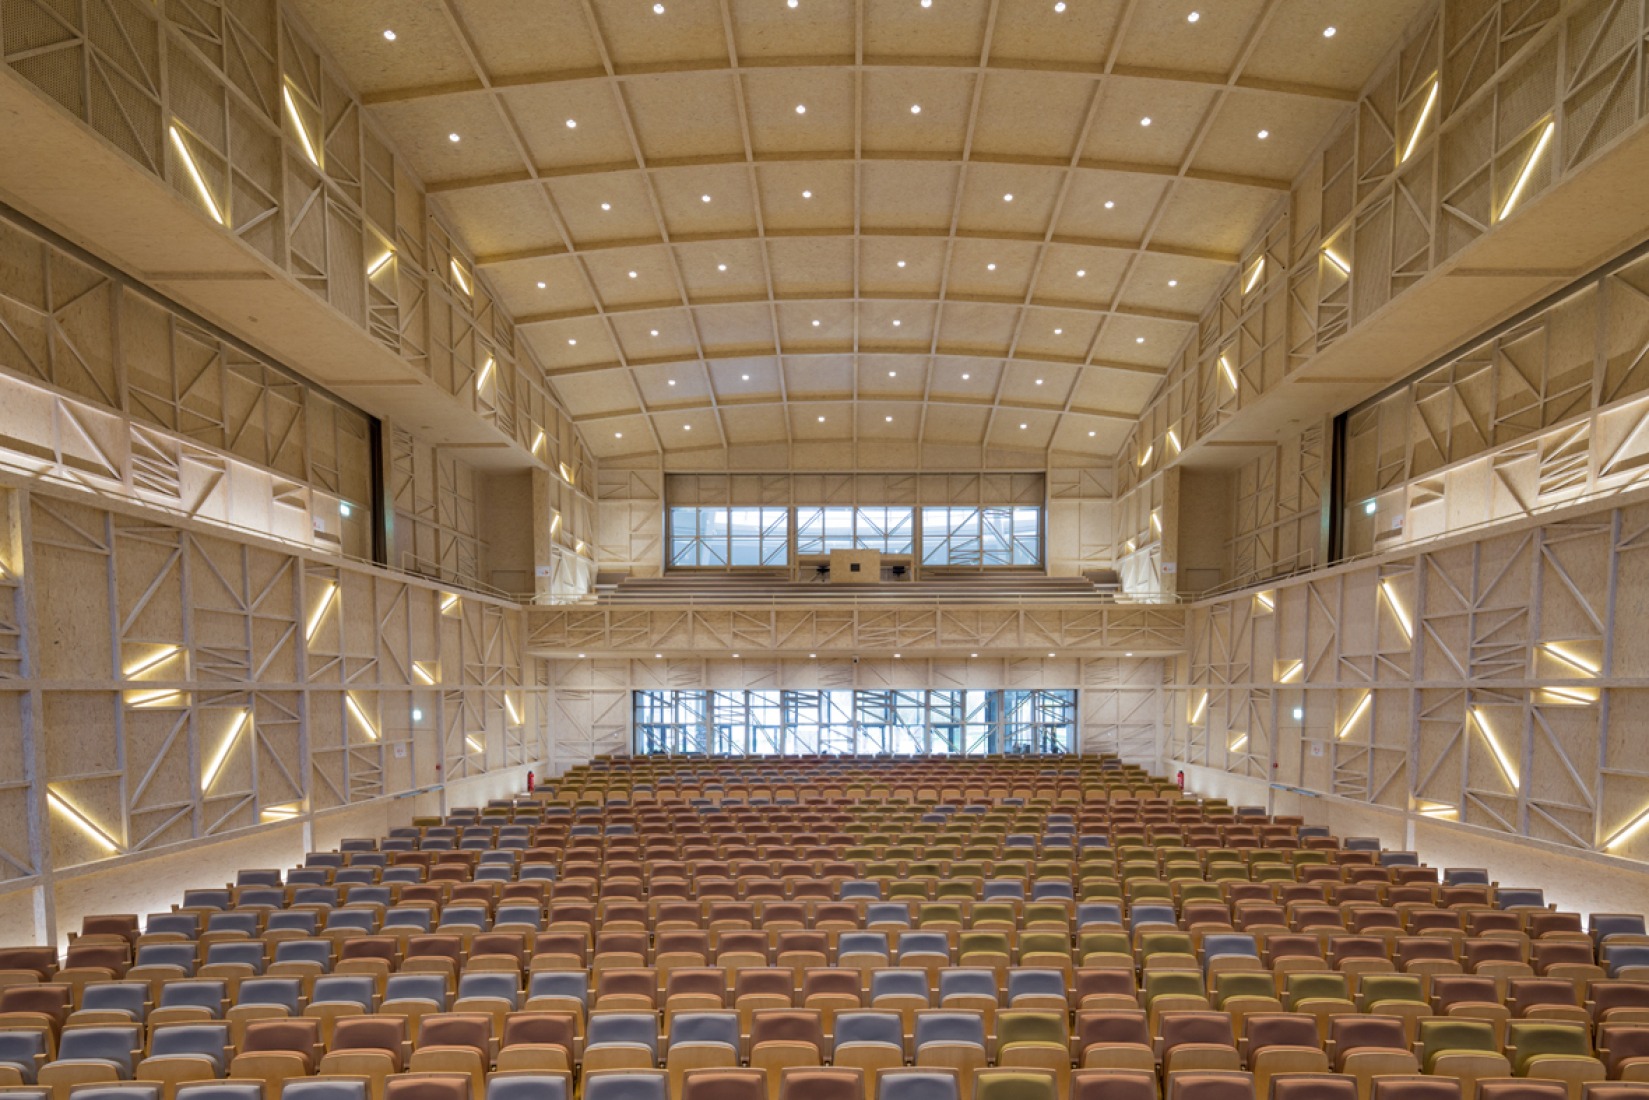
(541, 285)
(1022, 427)
(572, 343)
(821, 420)
(1193, 17)
(1139, 339)
(721, 267)
(1110, 205)
(1092, 434)
(1081, 273)
(990, 267)
(889, 419)
(1329, 32)
(653, 332)
(1060, 7)
(1146, 121)
(1059, 332)
(618, 435)
(687, 427)
(807, 194)
(704, 198)
(901, 263)
(1039, 381)
(915, 108)
(1173, 283)
(658, 9)
(895, 325)
(965, 377)
(672, 381)
(389, 36)
(801, 108)
(746, 377)
(893, 374)
(572, 124)
(453, 138)
(606, 206)
(632, 274)
(1263, 134)
(815, 322)
(1008, 197)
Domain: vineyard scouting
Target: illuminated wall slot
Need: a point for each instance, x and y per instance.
(538, 441)
(1291, 673)
(1267, 601)
(509, 705)
(449, 603)
(1334, 258)
(297, 124)
(1420, 123)
(286, 811)
(229, 740)
(555, 524)
(1569, 697)
(321, 609)
(1240, 743)
(1438, 810)
(1356, 713)
(1254, 274)
(1197, 711)
(421, 670)
(156, 700)
(1156, 523)
(475, 746)
(154, 660)
(1173, 441)
(486, 373)
(1150, 450)
(360, 716)
(195, 176)
(1230, 375)
(566, 474)
(80, 821)
(1493, 742)
(462, 279)
(1628, 831)
(1397, 609)
(1527, 173)
(380, 263)
(1572, 659)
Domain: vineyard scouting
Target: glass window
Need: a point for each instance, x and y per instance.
(741, 536)
(820, 530)
(902, 722)
(990, 536)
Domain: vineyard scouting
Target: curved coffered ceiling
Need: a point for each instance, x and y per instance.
(755, 230)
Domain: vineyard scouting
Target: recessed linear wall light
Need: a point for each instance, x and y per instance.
(195, 176)
(1420, 123)
(379, 264)
(81, 821)
(298, 124)
(1524, 176)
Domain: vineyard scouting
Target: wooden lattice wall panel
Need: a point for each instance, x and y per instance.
(1495, 681)
(166, 683)
(333, 207)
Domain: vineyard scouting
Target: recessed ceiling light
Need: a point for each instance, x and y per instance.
(572, 124)
(618, 435)
(746, 377)
(572, 343)
(704, 198)
(815, 322)
(915, 108)
(632, 274)
(721, 267)
(889, 419)
(1263, 134)
(606, 206)
(821, 420)
(1329, 32)
(973, 655)
(655, 332)
(1110, 204)
(1193, 17)
(1053, 654)
(389, 36)
(901, 263)
(1146, 121)
(1039, 381)
(687, 427)
(1059, 332)
(1092, 434)
(658, 9)
(541, 286)
(807, 194)
(1139, 339)
(895, 325)
(1081, 273)
(925, 3)
(672, 381)
(965, 377)
(452, 137)
(791, 3)
(1173, 282)
(1022, 427)
(812, 655)
(1008, 197)
(893, 374)
(801, 108)
(1060, 7)
(990, 267)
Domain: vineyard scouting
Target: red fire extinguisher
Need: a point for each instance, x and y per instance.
(1178, 778)
(530, 779)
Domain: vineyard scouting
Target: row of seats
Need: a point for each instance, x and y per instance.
(1084, 930)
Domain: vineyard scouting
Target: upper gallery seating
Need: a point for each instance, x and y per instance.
(1024, 928)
